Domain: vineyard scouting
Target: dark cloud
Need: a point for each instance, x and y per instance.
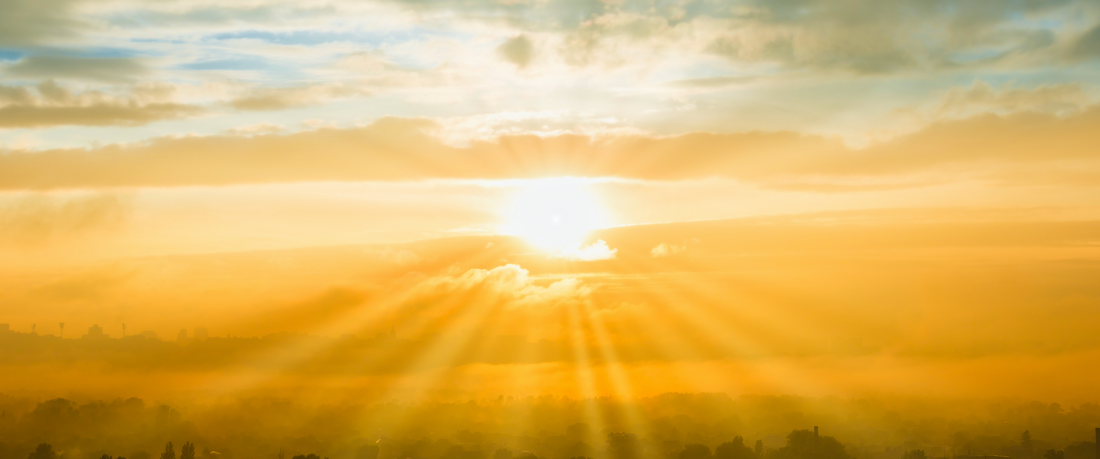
(32, 22)
(50, 104)
(518, 50)
(265, 99)
(869, 37)
(981, 96)
(856, 36)
(109, 69)
(1087, 45)
(94, 115)
(859, 36)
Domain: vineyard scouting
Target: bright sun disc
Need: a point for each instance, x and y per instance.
(555, 214)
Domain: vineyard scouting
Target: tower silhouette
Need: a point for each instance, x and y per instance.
(816, 449)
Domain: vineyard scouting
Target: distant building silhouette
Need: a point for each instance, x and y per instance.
(181, 336)
(95, 332)
(387, 336)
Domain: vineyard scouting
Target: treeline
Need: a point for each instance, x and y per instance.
(46, 451)
(801, 444)
(670, 426)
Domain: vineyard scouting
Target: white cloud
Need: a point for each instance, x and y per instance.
(596, 251)
(257, 129)
(509, 285)
(664, 250)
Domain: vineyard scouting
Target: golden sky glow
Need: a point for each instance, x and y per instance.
(438, 199)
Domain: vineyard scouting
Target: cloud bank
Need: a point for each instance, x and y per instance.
(1020, 148)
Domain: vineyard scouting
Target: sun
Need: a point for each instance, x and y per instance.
(555, 214)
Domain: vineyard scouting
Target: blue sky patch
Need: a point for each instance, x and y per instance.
(235, 63)
(9, 55)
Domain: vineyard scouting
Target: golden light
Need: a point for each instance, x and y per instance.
(555, 214)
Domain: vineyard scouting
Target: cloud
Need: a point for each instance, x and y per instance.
(36, 219)
(665, 250)
(593, 252)
(712, 82)
(858, 36)
(256, 129)
(509, 284)
(502, 298)
(1087, 45)
(29, 22)
(865, 49)
(1059, 99)
(51, 104)
(265, 99)
(396, 149)
(861, 36)
(868, 37)
(92, 115)
(398, 257)
(518, 50)
(110, 69)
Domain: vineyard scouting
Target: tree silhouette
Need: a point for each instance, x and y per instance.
(1025, 440)
(1081, 450)
(759, 448)
(914, 454)
(187, 451)
(803, 444)
(695, 451)
(735, 449)
(454, 452)
(622, 445)
(43, 451)
(578, 431)
(1052, 454)
(367, 451)
(169, 452)
(503, 453)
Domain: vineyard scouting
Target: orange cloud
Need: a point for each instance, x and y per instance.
(1023, 146)
(51, 104)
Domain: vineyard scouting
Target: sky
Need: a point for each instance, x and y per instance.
(786, 197)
